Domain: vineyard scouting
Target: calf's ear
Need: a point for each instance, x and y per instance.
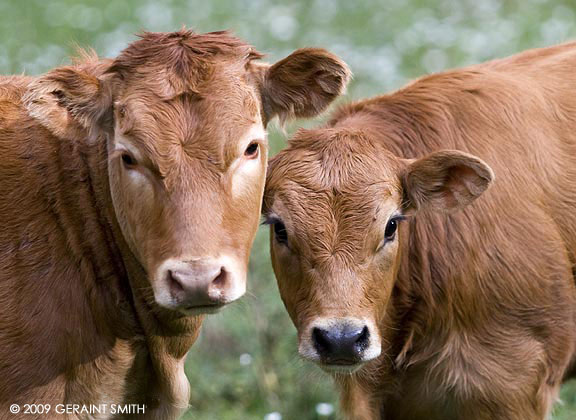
(301, 85)
(70, 101)
(445, 180)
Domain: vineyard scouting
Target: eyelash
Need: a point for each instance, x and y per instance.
(280, 232)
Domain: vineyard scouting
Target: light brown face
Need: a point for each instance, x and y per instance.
(336, 203)
(187, 176)
(335, 253)
(184, 118)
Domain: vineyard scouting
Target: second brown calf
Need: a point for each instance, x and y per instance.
(421, 301)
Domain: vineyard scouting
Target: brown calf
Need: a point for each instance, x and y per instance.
(466, 309)
(130, 192)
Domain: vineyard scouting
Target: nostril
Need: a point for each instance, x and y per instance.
(175, 284)
(220, 280)
(363, 339)
(321, 340)
(218, 286)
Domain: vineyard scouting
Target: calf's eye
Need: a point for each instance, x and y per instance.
(390, 231)
(128, 160)
(280, 233)
(391, 228)
(251, 151)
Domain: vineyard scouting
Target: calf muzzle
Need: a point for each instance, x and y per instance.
(201, 285)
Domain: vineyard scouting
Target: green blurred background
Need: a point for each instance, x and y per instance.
(245, 364)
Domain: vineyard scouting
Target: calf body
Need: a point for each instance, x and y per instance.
(71, 330)
(130, 192)
(465, 308)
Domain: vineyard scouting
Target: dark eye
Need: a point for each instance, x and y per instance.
(280, 233)
(391, 228)
(252, 150)
(128, 161)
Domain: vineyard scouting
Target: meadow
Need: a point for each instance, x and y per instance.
(245, 364)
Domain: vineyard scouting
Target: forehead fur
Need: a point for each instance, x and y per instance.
(175, 130)
(184, 98)
(183, 59)
(343, 160)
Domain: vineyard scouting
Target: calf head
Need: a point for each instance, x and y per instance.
(184, 117)
(335, 200)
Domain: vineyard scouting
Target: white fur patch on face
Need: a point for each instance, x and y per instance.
(245, 171)
(138, 181)
(124, 145)
(308, 351)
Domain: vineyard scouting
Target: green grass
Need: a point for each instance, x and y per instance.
(386, 44)
(566, 408)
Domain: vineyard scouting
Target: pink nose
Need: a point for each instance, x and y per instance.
(198, 283)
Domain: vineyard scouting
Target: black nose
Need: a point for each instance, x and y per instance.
(341, 344)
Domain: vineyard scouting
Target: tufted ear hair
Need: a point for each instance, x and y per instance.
(444, 180)
(301, 85)
(72, 101)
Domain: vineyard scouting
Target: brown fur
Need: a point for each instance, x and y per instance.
(475, 306)
(79, 242)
